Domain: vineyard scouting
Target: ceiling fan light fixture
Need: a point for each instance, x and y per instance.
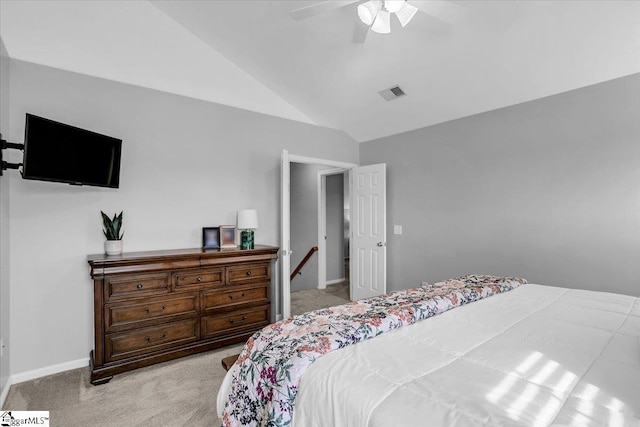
(406, 13)
(382, 24)
(393, 6)
(368, 11)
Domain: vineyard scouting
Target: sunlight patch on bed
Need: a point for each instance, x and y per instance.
(501, 389)
(587, 405)
(537, 370)
(616, 419)
(586, 402)
(615, 405)
(509, 381)
(523, 401)
(546, 371)
(548, 412)
(528, 363)
(564, 383)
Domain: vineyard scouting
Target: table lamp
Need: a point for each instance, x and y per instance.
(247, 222)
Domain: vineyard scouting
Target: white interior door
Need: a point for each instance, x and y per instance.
(369, 231)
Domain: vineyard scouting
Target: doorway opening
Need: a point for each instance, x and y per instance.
(319, 219)
(367, 234)
(323, 168)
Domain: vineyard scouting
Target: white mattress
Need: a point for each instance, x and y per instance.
(534, 356)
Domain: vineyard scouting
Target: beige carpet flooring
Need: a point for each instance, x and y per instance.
(181, 392)
(314, 299)
(178, 393)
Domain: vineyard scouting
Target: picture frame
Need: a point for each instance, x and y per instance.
(227, 236)
(210, 238)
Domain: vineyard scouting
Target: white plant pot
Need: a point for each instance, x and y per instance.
(113, 247)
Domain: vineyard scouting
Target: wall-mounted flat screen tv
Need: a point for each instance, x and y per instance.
(59, 152)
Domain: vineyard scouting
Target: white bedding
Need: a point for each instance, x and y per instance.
(534, 356)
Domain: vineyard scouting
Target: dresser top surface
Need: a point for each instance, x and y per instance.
(190, 253)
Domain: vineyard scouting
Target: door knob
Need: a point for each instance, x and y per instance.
(381, 244)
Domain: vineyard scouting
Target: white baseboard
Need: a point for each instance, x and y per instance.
(38, 373)
(48, 370)
(5, 392)
(334, 281)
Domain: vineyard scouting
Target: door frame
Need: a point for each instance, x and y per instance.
(285, 214)
(322, 221)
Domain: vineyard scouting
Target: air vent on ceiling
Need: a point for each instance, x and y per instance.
(392, 93)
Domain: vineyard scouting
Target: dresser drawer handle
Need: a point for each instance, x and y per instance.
(199, 279)
(139, 286)
(249, 273)
(234, 321)
(160, 310)
(160, 338)
(241, 296)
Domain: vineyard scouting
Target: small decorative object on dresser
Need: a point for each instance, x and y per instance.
(210, 238)
(150, 307)
(113, 244)
(247, 222)
(227, 236)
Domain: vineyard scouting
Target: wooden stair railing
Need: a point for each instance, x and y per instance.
(303, 262)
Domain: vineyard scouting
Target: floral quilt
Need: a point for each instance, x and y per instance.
(270, 367)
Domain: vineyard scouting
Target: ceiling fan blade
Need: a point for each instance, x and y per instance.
(360, 31)
(318, 9)
(443, 10)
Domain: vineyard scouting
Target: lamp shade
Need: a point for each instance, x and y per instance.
(406, 13)
(382, 24)
(247, 219)
(393, 6)
(367, 11)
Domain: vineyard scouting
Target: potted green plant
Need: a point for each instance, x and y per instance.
(113, 244)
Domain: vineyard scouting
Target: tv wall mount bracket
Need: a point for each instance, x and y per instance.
(4, 145)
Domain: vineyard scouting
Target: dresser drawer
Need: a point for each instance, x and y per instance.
(240, 320)
(231, 298)
(133, 286)
(128, 315)
(199, 279)
(248, 273)
(147, 340)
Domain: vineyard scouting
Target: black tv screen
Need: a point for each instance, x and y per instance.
(58, 152)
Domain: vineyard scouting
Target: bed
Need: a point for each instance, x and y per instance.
(532, 355)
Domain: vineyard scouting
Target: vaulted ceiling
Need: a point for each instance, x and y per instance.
(253, 55)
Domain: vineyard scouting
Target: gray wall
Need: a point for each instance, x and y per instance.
(335, 227)
(186, 164)
(548, 190)
(4, 220)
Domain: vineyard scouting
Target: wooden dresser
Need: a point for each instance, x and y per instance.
(150, 307)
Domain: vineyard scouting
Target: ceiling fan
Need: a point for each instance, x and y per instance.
(376, 14)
